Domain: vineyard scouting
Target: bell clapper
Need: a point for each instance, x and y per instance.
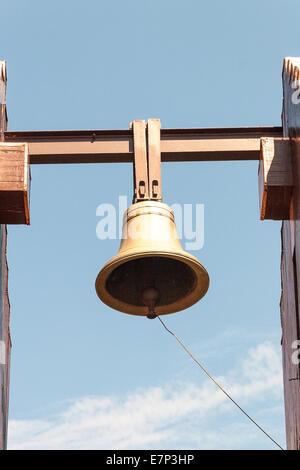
(150, 297)
(151, 315)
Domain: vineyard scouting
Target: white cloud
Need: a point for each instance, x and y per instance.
(172, 416)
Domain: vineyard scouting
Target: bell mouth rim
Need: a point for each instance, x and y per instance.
(201, 287)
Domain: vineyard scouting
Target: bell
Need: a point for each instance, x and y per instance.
(151, 274)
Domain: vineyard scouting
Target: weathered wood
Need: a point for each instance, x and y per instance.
(14, 183)
(290, 261)
(275, 179)
(4, 303)
(3, 114)
(108, 146)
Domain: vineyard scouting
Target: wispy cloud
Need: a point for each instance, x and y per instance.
(174, 415)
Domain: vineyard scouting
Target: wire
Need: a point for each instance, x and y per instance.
(222, 389)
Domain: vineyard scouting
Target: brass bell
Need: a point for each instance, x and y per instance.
(151, 274)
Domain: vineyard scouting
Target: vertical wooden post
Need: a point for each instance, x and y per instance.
(290, 259)
(5, 343)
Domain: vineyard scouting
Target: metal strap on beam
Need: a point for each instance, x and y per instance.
(146, 160)
(140, 165)
(154, 159)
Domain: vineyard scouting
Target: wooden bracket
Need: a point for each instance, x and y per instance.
(275, 178)
(146, 160)
(14, 169)
(14, 184)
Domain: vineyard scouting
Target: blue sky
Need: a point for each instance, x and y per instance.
(83, 375)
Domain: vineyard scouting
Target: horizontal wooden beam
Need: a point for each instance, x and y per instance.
(116, 146)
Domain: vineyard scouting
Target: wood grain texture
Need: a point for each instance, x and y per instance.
(116, 146)
(275, 179)
(290, 260)
(4, 301)
(14, 183)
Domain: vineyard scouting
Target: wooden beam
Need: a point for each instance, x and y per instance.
(3, 113)
(116, 146)
(275, 179)
(14, 183)
(5, 346)
(290, 260)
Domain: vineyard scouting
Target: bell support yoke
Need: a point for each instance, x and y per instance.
(146, 160)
